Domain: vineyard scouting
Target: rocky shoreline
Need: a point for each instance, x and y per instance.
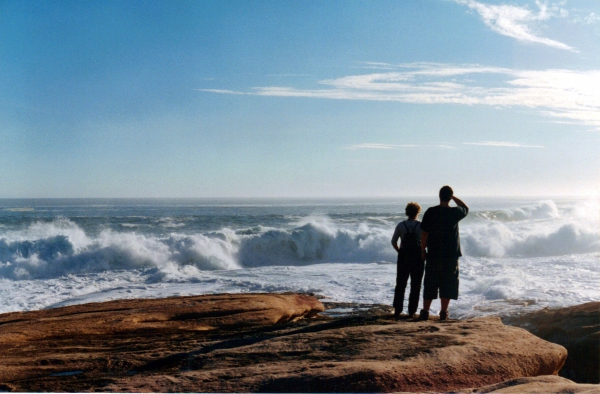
(276, 343)
(577, 328)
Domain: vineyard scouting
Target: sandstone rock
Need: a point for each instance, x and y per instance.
(365, 355)
(88, 344)
(539, 385)
(577, 328)
(250, 343)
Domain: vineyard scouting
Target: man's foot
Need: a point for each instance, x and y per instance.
(424, 315)
(397, 313)
(444, 315)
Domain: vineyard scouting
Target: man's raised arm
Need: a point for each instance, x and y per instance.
(459, 202)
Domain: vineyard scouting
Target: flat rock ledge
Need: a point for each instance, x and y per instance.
(539, 385)
(258, 343)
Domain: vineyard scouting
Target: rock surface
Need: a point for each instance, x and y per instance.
(81, 347)
(539, 385)
(577, 328)
(255, 342)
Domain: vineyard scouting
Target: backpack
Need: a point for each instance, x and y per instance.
(411, 244)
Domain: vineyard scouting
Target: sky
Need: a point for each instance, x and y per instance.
(281, 98)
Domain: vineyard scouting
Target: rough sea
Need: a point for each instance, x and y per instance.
(519, 254)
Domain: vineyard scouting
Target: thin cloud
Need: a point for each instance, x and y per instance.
(380, 64)
(222, 91)
(565, 95)
(588, 19)
(377, 65)
(444, 146)
(503, 144)
(592, 18)
(513, 21)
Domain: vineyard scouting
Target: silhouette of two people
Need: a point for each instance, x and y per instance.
(438, 241)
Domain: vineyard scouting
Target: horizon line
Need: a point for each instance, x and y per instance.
(303, 197)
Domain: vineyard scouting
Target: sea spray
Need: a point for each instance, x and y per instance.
(59, 247)
(523, 252)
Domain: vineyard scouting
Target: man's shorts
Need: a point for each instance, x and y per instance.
(441, 274)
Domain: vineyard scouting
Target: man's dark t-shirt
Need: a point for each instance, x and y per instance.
(441, 223)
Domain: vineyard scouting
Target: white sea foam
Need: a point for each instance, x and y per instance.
(541, 210)
(314, 242)
(20, 209)
(60, 247)
(72, 252)
(535, 254)
(537, 230)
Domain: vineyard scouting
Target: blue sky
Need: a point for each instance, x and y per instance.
(299, 98)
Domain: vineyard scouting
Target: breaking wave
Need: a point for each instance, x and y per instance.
(535, 231)
(61, 247)
(539, 211)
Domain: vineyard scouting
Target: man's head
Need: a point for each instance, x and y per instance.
(446, 194)
(412, 210)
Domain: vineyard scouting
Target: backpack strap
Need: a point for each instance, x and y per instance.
(408, 230)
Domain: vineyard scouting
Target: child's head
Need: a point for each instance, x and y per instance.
(412, 210)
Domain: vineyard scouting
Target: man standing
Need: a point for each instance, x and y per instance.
(440, 246)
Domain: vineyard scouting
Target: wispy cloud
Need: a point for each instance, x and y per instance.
(565, 95)
(514, 21)
(222, 91)
(503, 144)
(376, 65)
(587, 19)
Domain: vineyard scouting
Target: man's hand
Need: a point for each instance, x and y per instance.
(459, 202)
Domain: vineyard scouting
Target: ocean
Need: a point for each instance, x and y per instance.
(519, 254)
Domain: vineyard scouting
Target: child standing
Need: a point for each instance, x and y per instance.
(410, 263)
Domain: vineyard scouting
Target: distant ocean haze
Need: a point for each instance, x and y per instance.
(517, 252)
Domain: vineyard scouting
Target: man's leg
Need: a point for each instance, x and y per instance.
(449, 286)
(426, 305)
(424, 314)
(449, 282)
(431, 284)
(445, 302)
